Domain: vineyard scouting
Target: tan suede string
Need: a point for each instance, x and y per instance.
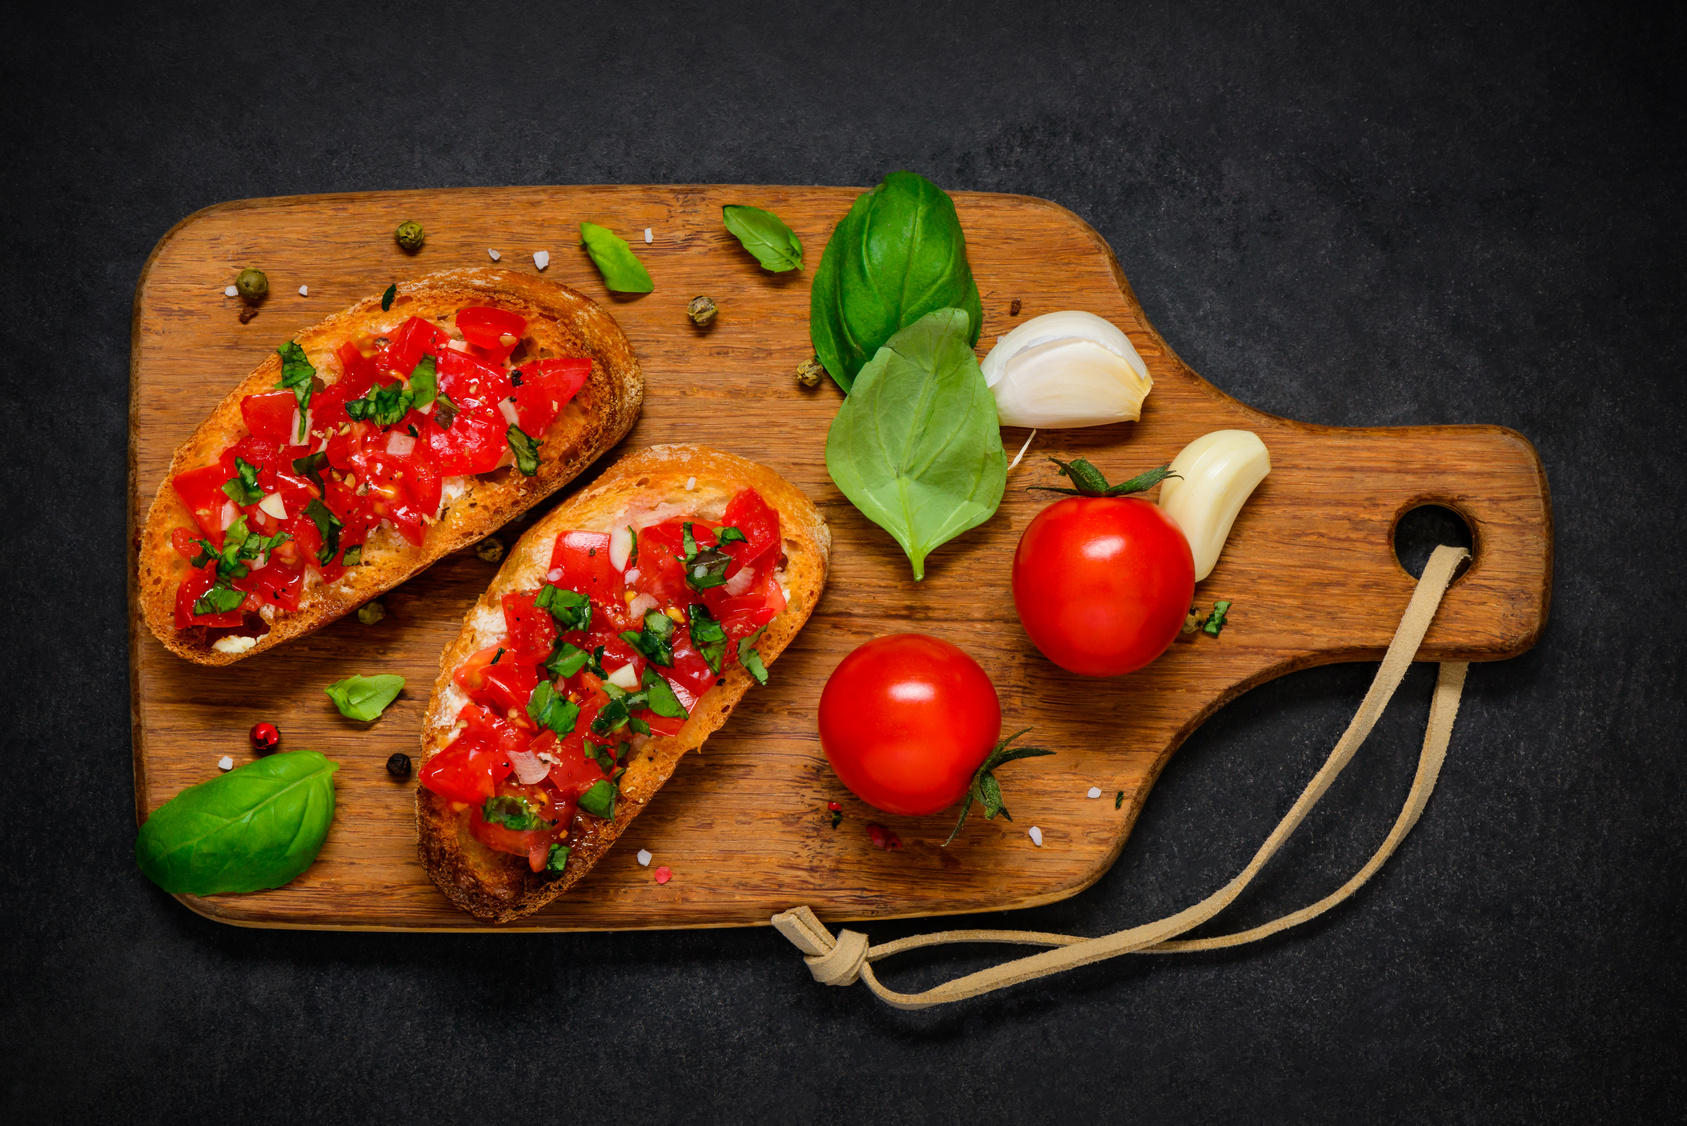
(843, 959)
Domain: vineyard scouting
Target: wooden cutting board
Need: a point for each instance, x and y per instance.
(1310, 567)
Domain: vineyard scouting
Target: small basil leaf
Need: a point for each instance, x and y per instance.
(353, 556)
(1215, 620)
(656, 640)
(446, 412)
(512, 812)
(243, 487)
(256, 827)
(750, 658)
(572, 610)
(916, 446)
(613, 715)
(386, 298)
(364, 698)
(622, 271)
(898, 255)
(764, 235)
(384, 406)
(661, 695)
(707, 635)
(558, 713)
(218, 600)
(524, 449)
(424, 382)
(558, 859)
(566, 660)
(599, 801)
(328, 526)
(311, 466)
(297, 374)
(730, 535)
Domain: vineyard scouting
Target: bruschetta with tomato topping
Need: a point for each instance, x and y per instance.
(618, 635)
(371, 444)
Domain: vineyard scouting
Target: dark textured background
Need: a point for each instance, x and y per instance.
(1345, 213)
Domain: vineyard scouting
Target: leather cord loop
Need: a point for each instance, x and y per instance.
(847, 957)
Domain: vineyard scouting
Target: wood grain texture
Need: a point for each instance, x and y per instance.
(1310, 565)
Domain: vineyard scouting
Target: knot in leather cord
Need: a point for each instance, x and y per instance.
(832, 961)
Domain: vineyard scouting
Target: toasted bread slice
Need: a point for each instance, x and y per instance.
(500, 886)
(560, 323)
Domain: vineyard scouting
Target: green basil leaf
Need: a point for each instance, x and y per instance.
(916, 446)
(364, 698)
(386, 298)
(661, 695)
(613, 715)
(750, 658)
(311, 466)
(243, 487)
(898, 255)
(525, 450)
(764, 235)
(558, 859)
(656, 640)
(566, 660)
(256, 827)
(1215, 620)
(730, 535)
(297, 374)
(353, 556)
(384, 406)
(621, 270)
(424, 382)
(548, 709)
(328, 526)
(599, 801)
(707, 635)
(572, 611)
(218, 600)
(512, 812)
(445, 413)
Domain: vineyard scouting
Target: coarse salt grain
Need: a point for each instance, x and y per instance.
(231, 292)
(494, 253)
(541, 258)
(690, 484)
(647, 234)
(1095, 792)
(225, 763)
(1036, 836)
(644, 857)
(664, 874)
(304, 291)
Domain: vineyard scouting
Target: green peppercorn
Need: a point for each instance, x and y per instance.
(399, 765)
(409, 235)
(702, 311)
(810, 373)
(251, 285)
(490, 549)
(371, 612)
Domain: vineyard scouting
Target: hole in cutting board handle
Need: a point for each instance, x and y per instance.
(1424, 527)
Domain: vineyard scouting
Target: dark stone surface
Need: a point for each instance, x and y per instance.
(1346, 213)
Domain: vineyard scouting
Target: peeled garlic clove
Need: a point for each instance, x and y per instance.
(1068, 369)
(1217, 473)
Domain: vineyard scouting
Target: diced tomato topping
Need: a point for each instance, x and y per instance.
(546, 387)
(583, 559)
(496, 331)
(279, 584)
(270, 415)
(414, 338)
(470, 769)
(499, 678)
(752, 515)
(202, 491)
(532, 631)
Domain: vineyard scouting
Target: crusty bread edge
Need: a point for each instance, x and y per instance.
(500, 887)
(600, 416)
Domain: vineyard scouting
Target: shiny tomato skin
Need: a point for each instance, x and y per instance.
(1103, 584)
(905, 721)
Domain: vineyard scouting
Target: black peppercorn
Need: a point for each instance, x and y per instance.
(399, 765)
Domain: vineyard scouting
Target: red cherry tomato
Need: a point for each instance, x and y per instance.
(1102, 584)
(905, 720)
